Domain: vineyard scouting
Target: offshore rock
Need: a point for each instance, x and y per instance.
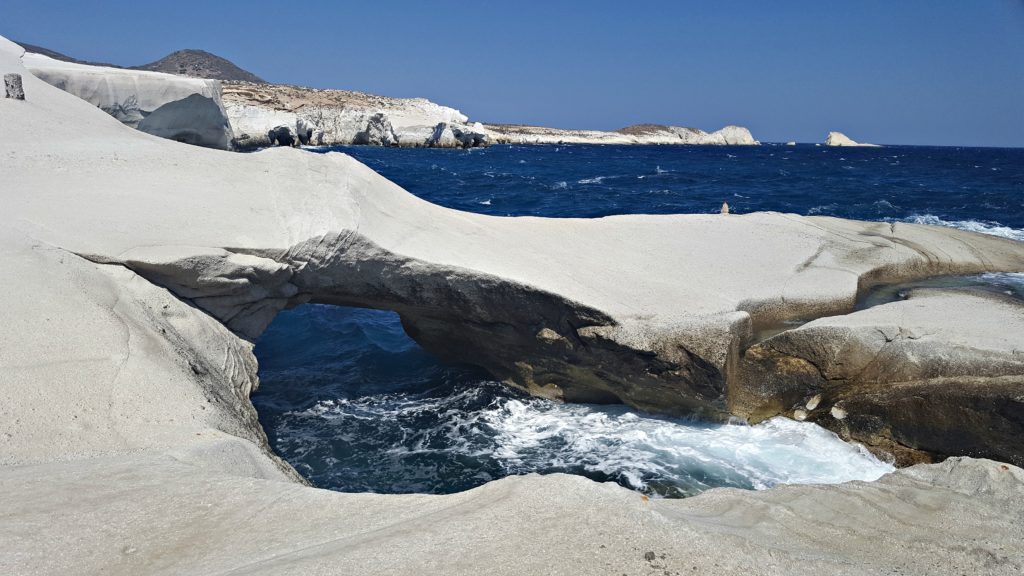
(938, 374)
(840, 139)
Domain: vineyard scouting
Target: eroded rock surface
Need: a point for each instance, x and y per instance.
(938, 374)
(165, 105)
(160, 516)
(13, 87)
(378, 132)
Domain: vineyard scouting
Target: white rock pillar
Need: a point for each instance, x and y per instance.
(12, 83)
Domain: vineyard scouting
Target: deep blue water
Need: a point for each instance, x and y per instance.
(355, 405)
(900, 182)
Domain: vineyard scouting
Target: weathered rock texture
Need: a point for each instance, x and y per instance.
(341, 116)
(137, 270)
(840, 139)
(184, 109)
(378, 132)
(937, 374)
(13, 87)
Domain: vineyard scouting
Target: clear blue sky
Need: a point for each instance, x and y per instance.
(945, 72)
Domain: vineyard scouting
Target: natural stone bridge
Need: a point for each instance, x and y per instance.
(138, 270)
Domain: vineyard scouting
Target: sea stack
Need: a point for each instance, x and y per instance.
(840, 139)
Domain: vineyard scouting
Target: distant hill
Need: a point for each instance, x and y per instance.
(194, 63)
(200, 64)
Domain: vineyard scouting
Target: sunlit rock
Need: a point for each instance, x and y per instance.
(840, 139)
(937, 374)
(184, 109)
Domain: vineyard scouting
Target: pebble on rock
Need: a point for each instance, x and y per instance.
(838, 413)
(813, 402)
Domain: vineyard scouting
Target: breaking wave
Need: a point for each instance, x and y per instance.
(443, 441)
(983, 227)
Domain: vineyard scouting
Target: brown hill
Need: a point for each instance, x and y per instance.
(200, 64)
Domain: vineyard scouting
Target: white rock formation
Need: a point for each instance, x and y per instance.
(943, 369)
(183, 109)
(338, 116)
(378, 132)
(638, 134)
(840, 139)
(128, 444)
(341, 116)
(13, 87)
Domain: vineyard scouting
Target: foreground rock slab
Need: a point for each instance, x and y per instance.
(939, 373)
(158, 516)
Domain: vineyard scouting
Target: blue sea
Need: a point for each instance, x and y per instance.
(355, 405)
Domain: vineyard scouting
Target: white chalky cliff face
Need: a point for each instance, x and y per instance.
(136, 270)
(175, 107)
(191, 110)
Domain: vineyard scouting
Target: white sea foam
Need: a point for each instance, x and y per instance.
(993, 228)
(642, 449)
(520, 435)
(1011, 282)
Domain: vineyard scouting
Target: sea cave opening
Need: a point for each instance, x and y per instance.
(355, 405)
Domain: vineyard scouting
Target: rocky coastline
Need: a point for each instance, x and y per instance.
(140, 271)
(251, 114)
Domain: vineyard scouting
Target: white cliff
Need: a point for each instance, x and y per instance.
(246, 114)
(137, 271)
(840, 139)
(183, 109)
(341, 116)
(637, 134)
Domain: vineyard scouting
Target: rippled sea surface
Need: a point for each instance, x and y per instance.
(355, 405)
